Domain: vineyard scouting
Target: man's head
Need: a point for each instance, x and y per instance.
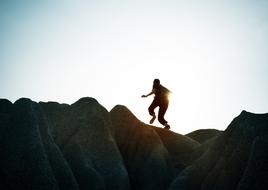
(156, 81)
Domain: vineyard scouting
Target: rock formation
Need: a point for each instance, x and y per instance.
(152, 155)
(59, 146)
(202, 135)
(235, 160)
(83, 146)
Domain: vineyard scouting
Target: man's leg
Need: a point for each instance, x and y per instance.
(162, 110)
(151, 108)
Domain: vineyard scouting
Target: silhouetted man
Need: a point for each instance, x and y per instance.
(160, 99)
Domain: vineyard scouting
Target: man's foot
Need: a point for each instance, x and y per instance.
(152, 120)
(167, 126)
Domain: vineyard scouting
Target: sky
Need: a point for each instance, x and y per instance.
(212, 55)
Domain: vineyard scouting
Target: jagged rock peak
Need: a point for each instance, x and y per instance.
(202, 135)
(249, 121)
(23, 101)
(120, 108)
(124, 112)
(4, 101)
(5, 105)
(86, 100)
(245, 113)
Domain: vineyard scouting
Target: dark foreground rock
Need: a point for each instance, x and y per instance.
(54, 146)
(83, 146)
(202, 135)
(235, 160)
(153, 156)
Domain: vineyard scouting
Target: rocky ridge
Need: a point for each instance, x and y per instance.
(83, 146)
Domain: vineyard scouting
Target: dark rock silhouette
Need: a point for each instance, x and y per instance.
(203, 135)
(152, 155)
(83, 146)
(82, 131)
(24, 163)
(57, 146)
(237, 159)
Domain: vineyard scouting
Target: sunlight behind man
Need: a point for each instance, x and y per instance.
(212, 55)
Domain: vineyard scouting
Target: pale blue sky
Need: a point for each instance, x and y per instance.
(213, 55)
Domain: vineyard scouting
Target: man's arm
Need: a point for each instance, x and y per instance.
(153, 91)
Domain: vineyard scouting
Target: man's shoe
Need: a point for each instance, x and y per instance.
(167, 127)
(152, 120)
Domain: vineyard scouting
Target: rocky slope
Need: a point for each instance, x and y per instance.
(58, 146)
(152, 156)
(235, 160)
(83, 146)
(202, 135)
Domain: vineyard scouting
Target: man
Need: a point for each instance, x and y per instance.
(160, 99)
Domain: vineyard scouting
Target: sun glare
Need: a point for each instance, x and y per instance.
(212, 56)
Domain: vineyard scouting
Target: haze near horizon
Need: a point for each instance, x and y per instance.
(212, 55)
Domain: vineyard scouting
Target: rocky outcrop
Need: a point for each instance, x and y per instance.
(203, 135)
(59, 146)
(24, 162)
(152, 155)
(237, 159)
(87, 144)
(83, 146)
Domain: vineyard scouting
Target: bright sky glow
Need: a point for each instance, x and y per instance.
(213, 55)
